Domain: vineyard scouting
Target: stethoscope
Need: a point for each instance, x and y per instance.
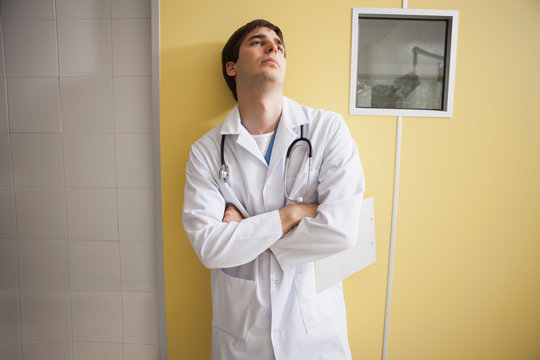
(224, 172)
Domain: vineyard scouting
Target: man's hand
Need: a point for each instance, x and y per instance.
(232, 214)
(292, 214)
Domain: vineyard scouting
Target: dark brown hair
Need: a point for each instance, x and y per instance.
(232, 47)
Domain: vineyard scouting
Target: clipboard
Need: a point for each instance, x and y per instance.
(340, 266)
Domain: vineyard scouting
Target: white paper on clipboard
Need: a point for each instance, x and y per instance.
(338, 267)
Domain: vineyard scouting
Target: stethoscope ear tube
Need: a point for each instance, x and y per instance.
(300, 199)
(310, 151)
(222, 152)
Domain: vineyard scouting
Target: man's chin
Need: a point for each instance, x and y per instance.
(272, 76)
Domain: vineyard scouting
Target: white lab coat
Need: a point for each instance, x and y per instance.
(264, 303)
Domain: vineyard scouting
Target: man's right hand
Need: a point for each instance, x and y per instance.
(292, 214)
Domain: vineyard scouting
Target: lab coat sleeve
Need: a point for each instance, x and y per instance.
(219, 244)
(340, 191)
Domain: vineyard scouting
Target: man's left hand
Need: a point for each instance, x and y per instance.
(232, 214)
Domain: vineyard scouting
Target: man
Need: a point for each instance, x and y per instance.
(259, 221)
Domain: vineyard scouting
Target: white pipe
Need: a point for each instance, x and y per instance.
(393, 231)
(392, 236)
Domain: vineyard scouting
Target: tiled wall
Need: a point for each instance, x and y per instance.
(77, 248)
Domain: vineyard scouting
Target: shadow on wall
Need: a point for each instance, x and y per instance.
(195, 98)
(203, 98)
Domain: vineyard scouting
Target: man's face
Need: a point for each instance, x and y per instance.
(261, 58)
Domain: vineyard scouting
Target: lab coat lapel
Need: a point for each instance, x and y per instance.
(292, 116)
(232, 126)
(246, 141)
(285, 135)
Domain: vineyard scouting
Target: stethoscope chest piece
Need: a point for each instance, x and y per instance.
(224, 172)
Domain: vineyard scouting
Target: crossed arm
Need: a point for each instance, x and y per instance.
(291, 231)
(290, 215)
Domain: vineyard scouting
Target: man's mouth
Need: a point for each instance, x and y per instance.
(271, 61)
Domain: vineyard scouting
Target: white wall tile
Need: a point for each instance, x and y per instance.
(45, 315)
(43, 264)
(133, 104)
(8, 265)
(130, 8)
(141, 352)
(94, 265)
(87, 104)
(9, 313)
(84, 47)
(2, 70)
(10, 350)
(89, 160)
(6, 174)
(96, 316)
(131, 47)
(46, 350)
(37, 159)
(4, 127)
(34, 104)
(83, 9)
(138, 266)
(27, 9)
(95, 351)
(140, 318)
(8, 225)
(41, 213)
(136, 214)
(30, 48)
(91, 214)
(134, 160)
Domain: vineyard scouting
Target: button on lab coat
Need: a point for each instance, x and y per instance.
(264, 302)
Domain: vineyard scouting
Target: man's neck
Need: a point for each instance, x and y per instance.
(260, 114)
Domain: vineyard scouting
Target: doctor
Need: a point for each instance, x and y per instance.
(260, 245)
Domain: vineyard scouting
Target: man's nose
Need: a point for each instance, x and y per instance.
(272, 48)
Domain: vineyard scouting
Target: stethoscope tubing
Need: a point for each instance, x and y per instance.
(224, 171)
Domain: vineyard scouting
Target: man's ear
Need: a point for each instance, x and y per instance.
(231, 69)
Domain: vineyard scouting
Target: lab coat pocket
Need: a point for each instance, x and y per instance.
(232, 303)
(315, 308)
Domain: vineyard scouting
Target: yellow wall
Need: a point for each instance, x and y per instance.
(467, 263)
